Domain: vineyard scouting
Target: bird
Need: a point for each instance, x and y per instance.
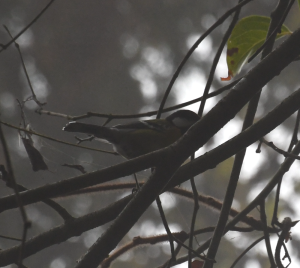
(141, 137)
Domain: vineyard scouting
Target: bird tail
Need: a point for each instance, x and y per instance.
(98, 131)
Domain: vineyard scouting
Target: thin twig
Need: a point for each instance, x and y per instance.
(293, 142)
(33, 97)
(278, 150)
(28, 26)
(194, 216)
(165, 223)
(10, 238)
(263, 219)
(138, 241)
(169, 262)
(130, 116)
(216, 60)
(209, 201)
(11, 177)
(246, 250)
(211, 229)
(193, 221)
(193, 48)
(193, 251)
(56, 140)
(294, 138)
(284, 236)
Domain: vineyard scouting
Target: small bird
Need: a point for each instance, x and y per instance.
(141, 137)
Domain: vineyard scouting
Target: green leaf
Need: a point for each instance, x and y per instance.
(247, 36)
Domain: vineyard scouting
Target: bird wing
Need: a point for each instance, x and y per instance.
(155, 124)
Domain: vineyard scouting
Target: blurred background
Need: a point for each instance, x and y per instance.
(117, 57)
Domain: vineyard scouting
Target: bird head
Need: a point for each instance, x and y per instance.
(183, 119)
